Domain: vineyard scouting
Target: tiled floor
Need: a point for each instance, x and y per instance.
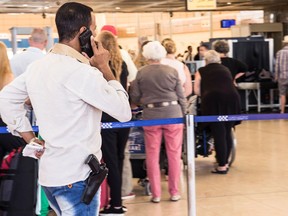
(256, 185)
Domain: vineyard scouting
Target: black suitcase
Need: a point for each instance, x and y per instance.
(18, 186)
(137, 152)
(138, 168)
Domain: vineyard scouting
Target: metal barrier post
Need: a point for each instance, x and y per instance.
(191, 165)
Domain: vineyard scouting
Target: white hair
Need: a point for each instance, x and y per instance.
(154, 51)
(212, 56)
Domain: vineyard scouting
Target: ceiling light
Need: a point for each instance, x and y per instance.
(117, 8)
(229, 3)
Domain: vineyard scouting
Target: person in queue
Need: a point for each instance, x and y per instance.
(37, 43)
(140, 60)
(158, 88)
(183, 72)
(127, 184)
(124, 54)
(281, 73)
(218, 99)
(7, 141)
(68, 92)
(5, 68)
(182, 69)
(20, 61)
(114, 140)
(203, 48)
(236, 67)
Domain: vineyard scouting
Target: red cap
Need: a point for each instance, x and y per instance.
(109, 28)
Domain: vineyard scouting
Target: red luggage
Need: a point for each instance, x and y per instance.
(104, 197)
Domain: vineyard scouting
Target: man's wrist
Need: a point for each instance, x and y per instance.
(99, 66)
(33, 139)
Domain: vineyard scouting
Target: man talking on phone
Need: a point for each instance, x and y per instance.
(68, 91)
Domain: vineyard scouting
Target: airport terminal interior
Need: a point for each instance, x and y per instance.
(257, 182)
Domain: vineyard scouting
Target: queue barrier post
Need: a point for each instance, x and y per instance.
(190, 133)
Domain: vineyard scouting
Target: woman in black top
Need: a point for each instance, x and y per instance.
(114, 140)
(236, 67)
(218, 97)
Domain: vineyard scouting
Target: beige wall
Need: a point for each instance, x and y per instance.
(24, 20)
(186, 28)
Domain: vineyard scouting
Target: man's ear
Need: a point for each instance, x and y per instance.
(82, 29)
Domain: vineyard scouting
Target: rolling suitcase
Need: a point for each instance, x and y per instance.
(137, 152)
(104, 198)
(18, 185)
(138, 157)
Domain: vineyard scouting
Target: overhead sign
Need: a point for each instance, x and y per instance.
(200, 5)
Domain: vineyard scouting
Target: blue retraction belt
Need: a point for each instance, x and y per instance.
(153, 122)
(248, 117)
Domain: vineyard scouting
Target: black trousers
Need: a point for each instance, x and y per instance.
(113, 147)
(8, 142)
(221, 131)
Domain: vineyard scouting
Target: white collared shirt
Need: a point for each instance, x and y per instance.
(68, 98)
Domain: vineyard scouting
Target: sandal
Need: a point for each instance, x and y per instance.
(216, 171)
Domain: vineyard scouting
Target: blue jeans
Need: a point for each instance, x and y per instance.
(66, 200)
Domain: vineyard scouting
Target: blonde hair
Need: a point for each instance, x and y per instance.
(5, 69)
(109, 42)
(169, 45)
(140, 60)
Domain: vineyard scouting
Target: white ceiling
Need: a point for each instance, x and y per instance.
(131, 6)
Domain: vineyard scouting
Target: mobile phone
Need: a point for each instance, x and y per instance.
(85, 42)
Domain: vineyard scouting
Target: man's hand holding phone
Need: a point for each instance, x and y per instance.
(101, 56)
(97, 55)
(100, 59)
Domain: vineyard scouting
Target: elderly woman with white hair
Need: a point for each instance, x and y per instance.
(158, 88)
(214, 83)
